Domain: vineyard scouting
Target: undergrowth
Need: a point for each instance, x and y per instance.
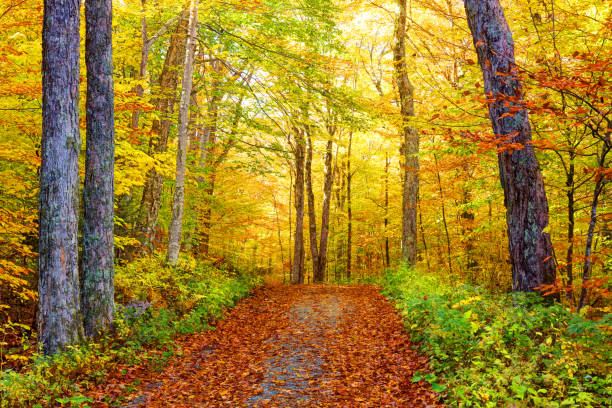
(153, 305)
(503, 351)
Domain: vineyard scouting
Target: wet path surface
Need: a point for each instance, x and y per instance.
(308, 346)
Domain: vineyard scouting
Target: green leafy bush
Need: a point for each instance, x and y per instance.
(154, 304)
(513, 350)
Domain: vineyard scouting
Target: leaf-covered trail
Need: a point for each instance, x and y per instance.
(305, 346)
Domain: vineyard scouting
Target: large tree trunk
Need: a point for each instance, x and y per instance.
(97, 279)
(312, 217)
(524, 195)
(164, 105)
(410, 146)
(297, 272)
(178, 201)
(59, 319)
(327, 190)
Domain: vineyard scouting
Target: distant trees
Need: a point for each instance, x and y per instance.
(65, 313)
(524, 196)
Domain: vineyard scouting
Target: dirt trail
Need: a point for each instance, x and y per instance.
(306, 346)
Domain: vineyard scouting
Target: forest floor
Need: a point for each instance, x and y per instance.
(286, 346)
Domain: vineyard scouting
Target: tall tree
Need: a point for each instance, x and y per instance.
(59, 319)
(327, 191)
(410, 143)
(312, 217)
(97, 278)
(178, 202)
(164, 105)
(524, 195)
(297, 270)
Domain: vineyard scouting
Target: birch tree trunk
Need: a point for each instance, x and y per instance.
(178, 201)
(524, 195)
(59, 318)
(97, 278)
(410, 135)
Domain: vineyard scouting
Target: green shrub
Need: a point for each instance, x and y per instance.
(154, 304)
(513, 350)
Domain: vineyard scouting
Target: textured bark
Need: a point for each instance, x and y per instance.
(327, 190)
(410, 147)
(312, 217)
(164, 105)
(178, 201)
(59, 318)
(297, 271)
(524, 195)
(97, 278)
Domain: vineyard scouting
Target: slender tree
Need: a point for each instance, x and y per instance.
(178, 202)
(410, 145)
(97, 278)
(524, 195)
(327, 192)
(164, 105)
(297, 272)
(59, 319)
(312, 217)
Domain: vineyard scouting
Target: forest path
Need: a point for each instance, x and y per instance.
(292, 346)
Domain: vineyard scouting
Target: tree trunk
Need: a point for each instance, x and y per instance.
(164, 105)
(387, 256)
(410, 146)
(445, 224)
(297, 273)
(327, 190)
(569, 259)
(599, 188)
(178, 201)
(349, 211)
(144, 59)
(524, 195)
(312, 217)
(97, 279)
(59, 318)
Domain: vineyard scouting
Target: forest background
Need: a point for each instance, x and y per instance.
(265, 71)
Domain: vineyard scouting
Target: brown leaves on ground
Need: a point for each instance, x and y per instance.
(304, 346)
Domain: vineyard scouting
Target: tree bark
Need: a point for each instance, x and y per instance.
(97, 279)
(327, 190)
(312, 217)
(178, 201)
(164, 105)
(297, 272)
(59, 318)
(410, 146)
(524, 195)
